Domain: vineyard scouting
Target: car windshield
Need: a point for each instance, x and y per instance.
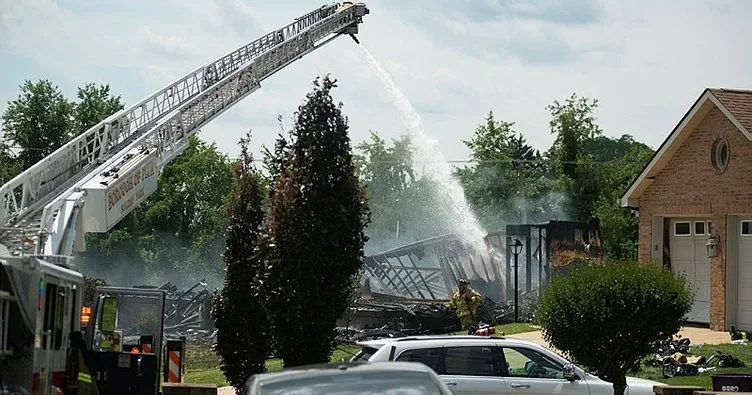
(372, 383)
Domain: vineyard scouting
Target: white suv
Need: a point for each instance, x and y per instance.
(489, 365)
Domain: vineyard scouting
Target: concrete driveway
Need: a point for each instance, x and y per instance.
(695, 335)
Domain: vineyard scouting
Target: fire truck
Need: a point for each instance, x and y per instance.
(50, 343)
(41, 310)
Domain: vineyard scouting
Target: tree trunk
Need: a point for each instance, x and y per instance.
(620, 384)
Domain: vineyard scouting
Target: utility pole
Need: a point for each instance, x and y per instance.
(523, 203)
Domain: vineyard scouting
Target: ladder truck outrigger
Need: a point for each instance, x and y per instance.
(50, 342)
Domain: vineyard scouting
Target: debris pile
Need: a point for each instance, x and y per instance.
(739, 336)
(379, 315)
(188, 313)
(675, 358)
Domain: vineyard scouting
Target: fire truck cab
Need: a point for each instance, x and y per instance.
(124, 340)
(39, 308)
(40, 315)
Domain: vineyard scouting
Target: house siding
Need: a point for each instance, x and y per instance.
(691, 185)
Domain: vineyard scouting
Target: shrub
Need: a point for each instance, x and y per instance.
(607, 318)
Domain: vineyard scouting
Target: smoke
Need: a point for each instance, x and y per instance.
(427, 216)
(164, 258)
(551, 206)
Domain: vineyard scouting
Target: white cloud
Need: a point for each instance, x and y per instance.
(454, 61)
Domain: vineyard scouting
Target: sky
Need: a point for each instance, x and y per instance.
(645, 62)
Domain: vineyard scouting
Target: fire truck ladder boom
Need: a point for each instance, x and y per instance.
(48, 197)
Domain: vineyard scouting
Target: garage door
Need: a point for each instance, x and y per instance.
(744, 282)
(689, 258)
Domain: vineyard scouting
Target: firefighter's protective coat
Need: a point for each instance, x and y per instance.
(463, 307)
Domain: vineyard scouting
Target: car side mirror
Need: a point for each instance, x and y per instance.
(569, 372)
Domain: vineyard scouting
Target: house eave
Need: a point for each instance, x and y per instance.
(688, 123)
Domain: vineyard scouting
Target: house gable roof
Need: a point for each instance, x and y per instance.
(735, 104)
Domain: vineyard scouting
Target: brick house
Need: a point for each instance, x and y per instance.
(695, 191)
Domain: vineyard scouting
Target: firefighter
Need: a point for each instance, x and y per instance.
(465, 303)
(79, 377)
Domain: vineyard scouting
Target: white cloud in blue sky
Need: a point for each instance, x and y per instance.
(646, 61)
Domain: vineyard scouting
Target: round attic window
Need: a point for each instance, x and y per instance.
(720, 154)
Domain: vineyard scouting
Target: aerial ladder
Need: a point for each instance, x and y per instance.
(92, 182)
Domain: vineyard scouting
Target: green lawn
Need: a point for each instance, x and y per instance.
(741, 351)
(202, 365)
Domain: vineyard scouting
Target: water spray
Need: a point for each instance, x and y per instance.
(428, 152)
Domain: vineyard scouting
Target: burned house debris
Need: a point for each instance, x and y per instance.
(404, 289)
(187, 312)
(396, 282)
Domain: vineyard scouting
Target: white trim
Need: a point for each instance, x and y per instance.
(626, 199)
(673, 227)
(741, 228)
(718, 161)
(704, 228)
(728, 115)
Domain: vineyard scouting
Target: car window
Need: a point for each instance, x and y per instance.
(430, 357)
(471, 361)
(524, 362)
(364, 354)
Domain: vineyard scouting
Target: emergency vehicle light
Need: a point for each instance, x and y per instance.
(85, 314)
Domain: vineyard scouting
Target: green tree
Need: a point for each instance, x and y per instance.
(95, 103)
(508, 181)
(387, 173)
(242, 326)
(491, 183)
(116, 255)
(178, 232)
(185, 217)
(317, 220)
(38, 122)
(573, 122)
(609, 317)
(621, 161)
(9, 166)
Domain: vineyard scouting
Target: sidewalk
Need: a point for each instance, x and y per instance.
(695, 335)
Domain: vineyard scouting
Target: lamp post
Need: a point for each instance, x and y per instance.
(516, 249)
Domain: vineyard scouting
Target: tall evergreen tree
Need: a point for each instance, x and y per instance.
(242, 328)
(317, 220)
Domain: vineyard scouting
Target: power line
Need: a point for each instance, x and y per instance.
(460, 161)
